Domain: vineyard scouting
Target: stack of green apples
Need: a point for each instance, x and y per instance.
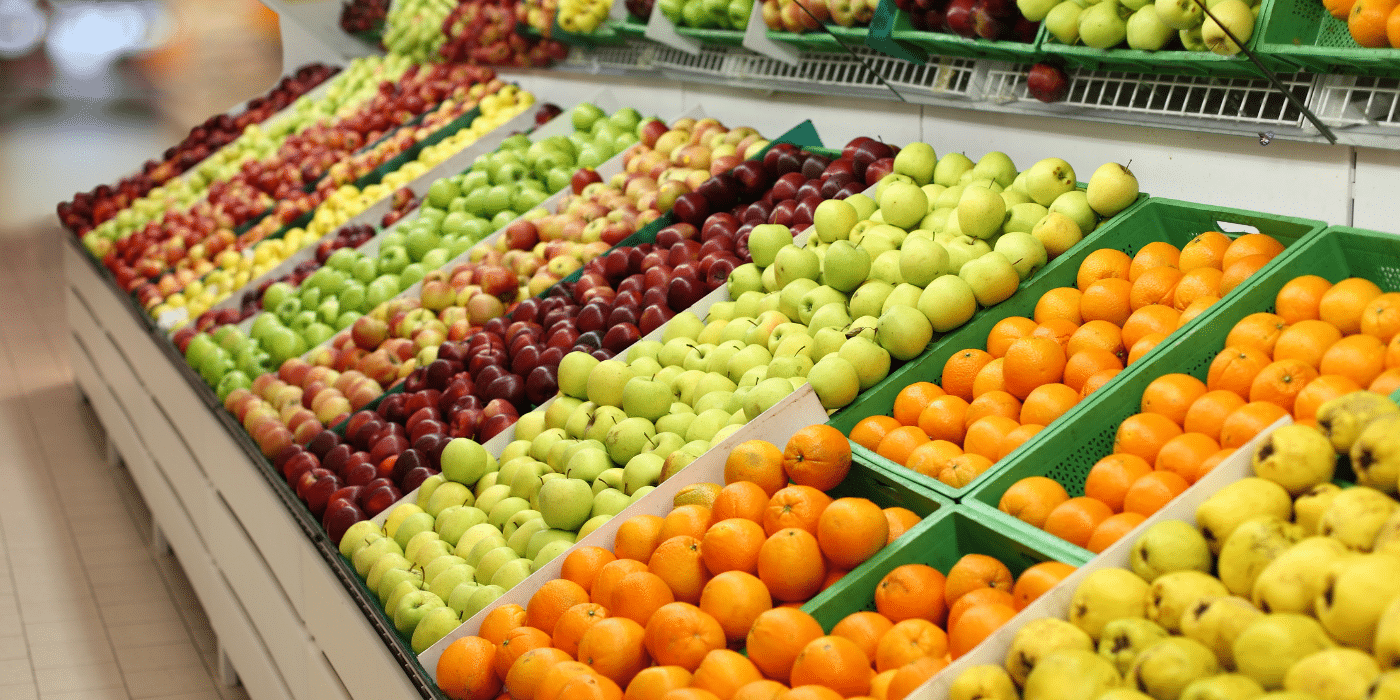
(1145, 25)
(1286, 585)
(413, 28)
(582, 16)
(942, 237)
(707, 14)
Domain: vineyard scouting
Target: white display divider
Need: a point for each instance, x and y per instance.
(756, 39)
(1056, 601)
(777, 425)
(286, 620)
(662, 31)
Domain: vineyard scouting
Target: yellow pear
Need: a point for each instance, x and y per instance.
(1353, 596)
(1104, 595)
(1038, 638)
(1309, 507)
(1174, 593)
(985, 682)
(1356, 516)
(1249, 497)
(1333, 674)
(1291, 582)
(1217, 622)
(1250, 548)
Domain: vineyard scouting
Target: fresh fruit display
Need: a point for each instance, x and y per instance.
(348, 90)
(1325, 341)
(705, 14)
(582, 16)
(975, 19)
(498, 104)
(361, 16)
(1030, 371)
(1285, 585)
(89, 209)
(640, 10)
(801, 16)
(1373, 25)
(1148, 26)
(414, 28)
(139, 260)
(483, 32)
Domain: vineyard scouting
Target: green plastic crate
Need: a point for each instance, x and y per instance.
(1180, 62)
(939, 541)
(1304, 34)
(1067, 451)
(631, 27)
(713, 37)
(833, 38)
(1154, 219)
(892, 26)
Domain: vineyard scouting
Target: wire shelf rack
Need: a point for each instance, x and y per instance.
(1357, 101)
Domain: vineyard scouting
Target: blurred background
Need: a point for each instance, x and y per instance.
(90, 89)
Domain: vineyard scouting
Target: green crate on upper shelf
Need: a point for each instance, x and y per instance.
(1068, 451)
(1153, 219)
(1304, 34)
(939, 541)
(828, 38)
(1167, 62)
(893, 32)
(631, 27)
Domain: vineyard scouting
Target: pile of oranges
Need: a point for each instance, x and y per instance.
(667, 607)
(988, 402)
(1321, 341)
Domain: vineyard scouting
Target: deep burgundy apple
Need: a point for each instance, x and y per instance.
(415, 478)
(298, 465)
(753, 177)
(1047, 83)
(493, 426)
(582, 178)
(376, 500)
(958, 18)
(337, 457)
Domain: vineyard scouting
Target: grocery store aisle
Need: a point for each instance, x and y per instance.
(88, 609)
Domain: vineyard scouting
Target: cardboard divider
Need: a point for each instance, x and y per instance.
(662, 31)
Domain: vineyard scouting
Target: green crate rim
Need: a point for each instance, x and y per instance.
(893, 32)
(1287, 24)
(838, 39)
(846, 418)
(1335, 252)
(713, 37)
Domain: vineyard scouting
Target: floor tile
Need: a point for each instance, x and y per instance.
(86, 651)
(131, 613)
(168, 681)
(22, 691)
(135, 659)
(149, 633)
(15, 672)
(14, 647)
(117, 693)
(72, 679)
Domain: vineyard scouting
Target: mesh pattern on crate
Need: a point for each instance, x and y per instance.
(1358, 100)
(1307, 22)
(1240, 100)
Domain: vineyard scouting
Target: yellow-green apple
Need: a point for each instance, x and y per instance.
(834, 380)
(1146, 31)
(1179, 14)
(606, 381)
(1049, 178)
(765, 240)
(921, 260)
(1104, 25)
(1058, 233)
(845, 266)
(917, 161)
(992, 277)
(1075, 205)
(903, 204)
(948, 302)
(793, 262)
(904, 331)
(995, 165)
(950, 169)
(818, 297)
(981, 212)
(1026, 253)
(885, 268)
(565, 503)
(1112, 188)
(871, 361)
(1024, 216)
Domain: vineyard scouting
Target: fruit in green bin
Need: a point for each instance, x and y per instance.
(492, 561)
(1106, 595)
(992, 277)
(765, 240)
(484, 596)
(436, 624)
(1344, 418)
(358, 536)
(948, 302)
(1272, 643)
(1354, 593)
(1164, 669)
(1121, 640)
(1250, 548)
(1103, 25)
(1062, 21)
(1375, 454)
(1026, 254)
(371, 553)
(1172, 594)
(1216, 621)
(465, 461)
(950, 168)
(1075, 205)
(793, 262)
(1113, 187)
(1229, 20)
(452, 523)
(1070, 673)
(834, 380)
(844, 267)
(1355, 516)
(981, 212)
(1333, 673)
(1035, 10)
(1039, 638)
(1298, 458)
(1251, 496)
(985, 682)
(412, 608)
(1170, 545)
(1179, 14)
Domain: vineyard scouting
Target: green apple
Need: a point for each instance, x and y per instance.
(1179, 14)
(553, 549)
(706, 424)
(574, 370)
(1103, 25)
(950, 169)
(1146, 31)
(1232, 15)
(390, 580)
(904, 294)
(765, 240)
(997, 166)
(1058, 233)
(683, 325)
(981, 212)
(412, 608)
(885, 268)
(1075, 205)
(492, 495)
(992, 277)
(1192, 40)
(412, 525)
(482, 597)
(830, 316)
(465, 461)
(865, 206)
(815, 299)
(904, 332)
(460, 595)
(610, 501)
(603, 420)
(629, 438)
(921, 260)
(1024, 216)
(792, 263)
(511, 573)
(357, 536)
(606, 382)
(788, 366)
(1048, 179)
(917, 161)
(749, 357)
(845, 266)
(903, 205)
(1026, 253)
(545, 537)
(833, 220)
(492, 561)
(1112, 188)
(565, 503)
(448, 579)
(948, 302)
(1062, 21)
(382, 565)
(789, 299)
(447, 495)
(864, 326)
(835, 381)
(646, 398)
(505, 509)
(869, 298)
(872, 362)
(372, 552)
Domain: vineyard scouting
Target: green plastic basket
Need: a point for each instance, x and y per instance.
(1067, 451)
(939, 541)
(1180, 62)
(631, 27)
(713, 37)
(892, 26)
(1155, 219)
(1302, 33)
(833, 37)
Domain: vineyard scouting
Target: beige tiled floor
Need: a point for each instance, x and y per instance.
(88, 609)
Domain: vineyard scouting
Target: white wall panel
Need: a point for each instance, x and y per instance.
(1377, 190)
